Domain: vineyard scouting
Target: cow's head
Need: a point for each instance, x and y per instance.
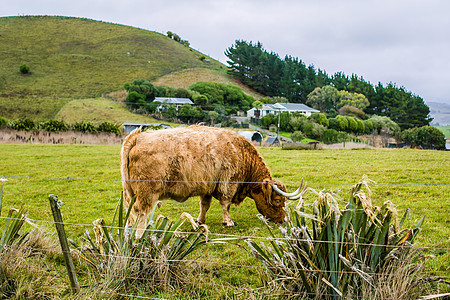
(270, 199)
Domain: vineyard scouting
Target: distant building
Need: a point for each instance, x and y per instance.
(271, 141)
(279, 108)
(252, 136)
(129, 127)
(177, 102)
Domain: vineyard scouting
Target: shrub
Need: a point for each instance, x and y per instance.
(297, 136)
(342, 122)
(268, 120)
(313, 130)
(297, 123)
(3, 122)
(156, 261)
(109, 127)
(427, 137)
(331, 136)
(352, 125)
(334, 124)
(24, 69)
(344, 253)
(84, 127)
(53, 126)
(22, 124)
(384, 124)
(368, 126)
(321, 119)
(351, 111)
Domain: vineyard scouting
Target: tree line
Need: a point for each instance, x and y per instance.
(291, 78)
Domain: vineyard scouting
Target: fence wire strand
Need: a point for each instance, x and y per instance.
(217, 182)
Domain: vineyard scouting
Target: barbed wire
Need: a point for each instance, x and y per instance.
(218, 181)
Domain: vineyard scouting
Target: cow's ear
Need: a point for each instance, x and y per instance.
(267, 189)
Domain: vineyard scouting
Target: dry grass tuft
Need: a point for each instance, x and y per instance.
(30, 269)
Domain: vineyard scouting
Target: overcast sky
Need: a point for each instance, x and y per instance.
(402, 41)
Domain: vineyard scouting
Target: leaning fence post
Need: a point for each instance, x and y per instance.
(55, 205)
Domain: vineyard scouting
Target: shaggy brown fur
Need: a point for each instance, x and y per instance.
(196, 161)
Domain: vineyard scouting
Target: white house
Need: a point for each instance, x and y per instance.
(177, 102)
(279, 108)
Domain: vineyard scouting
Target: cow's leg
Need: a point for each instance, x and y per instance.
(138, 217)
(226, 213)
(205, 203)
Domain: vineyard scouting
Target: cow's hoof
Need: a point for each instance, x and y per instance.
(231, 224)
(199, 223)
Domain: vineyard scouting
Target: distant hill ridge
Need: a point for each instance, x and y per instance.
(80, 58)
(440, 112)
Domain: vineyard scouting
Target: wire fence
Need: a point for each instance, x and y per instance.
(223, 182)
(206, 261)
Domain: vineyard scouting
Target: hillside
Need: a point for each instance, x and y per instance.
(82, 58)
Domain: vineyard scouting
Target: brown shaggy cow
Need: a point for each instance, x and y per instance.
(197, 161)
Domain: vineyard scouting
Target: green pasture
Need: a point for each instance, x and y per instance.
(87, 180)
(445, 130)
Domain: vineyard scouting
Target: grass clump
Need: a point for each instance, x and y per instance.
(154, 263)
(25, 271)
(358, 251)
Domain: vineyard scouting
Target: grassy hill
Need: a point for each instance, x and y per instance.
(82, 58)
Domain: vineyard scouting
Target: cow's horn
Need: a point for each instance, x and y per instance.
(291, 196)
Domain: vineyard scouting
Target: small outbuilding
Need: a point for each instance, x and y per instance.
(271, 141)
(252, 136)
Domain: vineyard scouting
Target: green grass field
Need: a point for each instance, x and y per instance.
(87, 180)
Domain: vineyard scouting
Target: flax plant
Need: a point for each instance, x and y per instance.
(335, 252)
(156, 261)
(10, 239)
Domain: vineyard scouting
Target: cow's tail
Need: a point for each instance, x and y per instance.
(128, 144)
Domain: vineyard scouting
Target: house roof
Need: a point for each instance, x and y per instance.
(297, 107)
(287, 106)
(173, 100)
(271, 140)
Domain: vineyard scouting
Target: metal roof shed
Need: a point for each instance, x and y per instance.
(271, 140)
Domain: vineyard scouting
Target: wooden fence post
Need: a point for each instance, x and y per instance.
(55, 205)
